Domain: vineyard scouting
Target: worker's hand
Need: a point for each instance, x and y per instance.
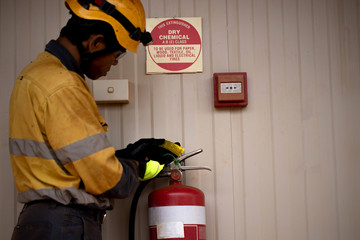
(153, 168)
(160, 150)
(140, 149)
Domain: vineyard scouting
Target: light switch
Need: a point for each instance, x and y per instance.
(111, 91)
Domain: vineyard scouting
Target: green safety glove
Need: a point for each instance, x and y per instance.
(153, 168)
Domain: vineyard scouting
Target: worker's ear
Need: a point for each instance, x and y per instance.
(96, 43)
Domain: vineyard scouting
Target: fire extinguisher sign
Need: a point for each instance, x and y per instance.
(177, 46)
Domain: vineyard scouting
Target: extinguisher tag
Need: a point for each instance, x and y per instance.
(170, 230)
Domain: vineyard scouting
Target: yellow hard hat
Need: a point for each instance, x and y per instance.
(127, 18)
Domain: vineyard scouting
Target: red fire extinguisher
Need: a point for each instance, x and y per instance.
(177, 211)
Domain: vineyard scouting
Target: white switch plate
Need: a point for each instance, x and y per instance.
(111, 91)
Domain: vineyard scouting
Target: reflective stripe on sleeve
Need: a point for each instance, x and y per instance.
(30, 148)
(83, 148)
(69, 153)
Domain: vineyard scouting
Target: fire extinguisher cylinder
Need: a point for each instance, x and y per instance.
(177, 212)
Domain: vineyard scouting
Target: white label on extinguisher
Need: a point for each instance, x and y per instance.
(170, 230)
(184, 214)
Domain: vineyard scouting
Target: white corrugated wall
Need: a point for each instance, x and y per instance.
(286, 167)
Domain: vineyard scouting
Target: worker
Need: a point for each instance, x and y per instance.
(66, 171)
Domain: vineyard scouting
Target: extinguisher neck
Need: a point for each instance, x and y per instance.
(173, 182)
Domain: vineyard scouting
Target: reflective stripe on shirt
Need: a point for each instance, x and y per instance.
(70, 153)
(83, 148)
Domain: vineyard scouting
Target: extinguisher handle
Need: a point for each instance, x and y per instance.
(187, 155)
(185, 168)
(182, 158)
(178, 165)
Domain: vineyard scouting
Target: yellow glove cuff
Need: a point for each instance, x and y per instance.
(153, 168)
(172, 147)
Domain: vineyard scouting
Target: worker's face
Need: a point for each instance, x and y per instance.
(100, 66)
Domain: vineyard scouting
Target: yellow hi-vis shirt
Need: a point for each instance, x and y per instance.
(57, 139)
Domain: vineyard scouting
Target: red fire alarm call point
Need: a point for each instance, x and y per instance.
(230, 89)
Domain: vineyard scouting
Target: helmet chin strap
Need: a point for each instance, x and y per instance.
(86, 57)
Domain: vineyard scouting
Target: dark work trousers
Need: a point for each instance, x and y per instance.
(48, 220)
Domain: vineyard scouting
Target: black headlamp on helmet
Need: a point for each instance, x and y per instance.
(134, 33)
(127, 18)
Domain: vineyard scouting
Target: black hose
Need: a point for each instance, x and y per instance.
(134, 203)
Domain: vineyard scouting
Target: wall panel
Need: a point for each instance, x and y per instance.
(236, 124)
(285, 167)
(7, 73)
(281, 119)
(327, 215)
(293, 157)
(204, 135)
(221, 142)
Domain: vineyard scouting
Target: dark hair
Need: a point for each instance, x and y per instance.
(78, 30)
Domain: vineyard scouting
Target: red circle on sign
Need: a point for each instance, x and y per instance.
(176, 46)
